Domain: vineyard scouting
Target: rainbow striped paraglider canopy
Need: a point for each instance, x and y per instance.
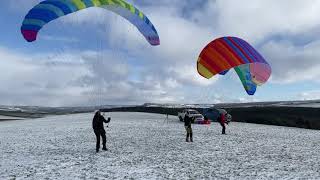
(225, 53)
(50, 10)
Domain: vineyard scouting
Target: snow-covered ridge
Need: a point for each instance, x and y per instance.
(309, 103)
(37, 111)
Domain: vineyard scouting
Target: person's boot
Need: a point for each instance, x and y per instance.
(97, 150)
(187, 138)
(191, 139)
(105, 149)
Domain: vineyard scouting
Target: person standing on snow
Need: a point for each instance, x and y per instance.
(206, 120)
(187, 125)
(98, 128)
(222, 121)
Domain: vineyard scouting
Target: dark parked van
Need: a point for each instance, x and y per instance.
(214, 113)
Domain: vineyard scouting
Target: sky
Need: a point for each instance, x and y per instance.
(96, 57)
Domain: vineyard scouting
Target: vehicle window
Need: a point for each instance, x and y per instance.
(193, 112)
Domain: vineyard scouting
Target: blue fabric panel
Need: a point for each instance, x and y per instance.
(243, 57)
(41, 14)
(51, 8)
(66, 6)
(30, 27)
(240, 43)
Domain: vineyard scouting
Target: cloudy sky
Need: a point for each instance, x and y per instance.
(95, 57)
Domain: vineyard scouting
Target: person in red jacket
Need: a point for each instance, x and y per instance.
(206, 120)
(222, 121)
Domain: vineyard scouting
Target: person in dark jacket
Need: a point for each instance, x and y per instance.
(187, 125)
(98, 128)
(222, 121)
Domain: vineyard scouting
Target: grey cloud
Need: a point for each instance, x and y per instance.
(286, 35)
(292, 63)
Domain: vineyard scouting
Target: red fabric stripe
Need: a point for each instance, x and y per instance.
(218, 59)
(29, 35)
(207, 66)
(222, 52)
(204, 57)
(238, 58)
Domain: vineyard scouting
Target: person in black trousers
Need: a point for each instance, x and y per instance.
(187, 125)
(98, 128)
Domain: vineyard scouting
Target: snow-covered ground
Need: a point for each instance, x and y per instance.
(145, 146)
(306, 105)
(8, 118)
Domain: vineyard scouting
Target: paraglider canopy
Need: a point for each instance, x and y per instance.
(225, 53)
(50, 10)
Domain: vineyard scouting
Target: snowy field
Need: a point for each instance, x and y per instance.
(9, 118)
(145, 146)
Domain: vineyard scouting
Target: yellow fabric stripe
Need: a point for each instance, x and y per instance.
(96, 3)
(79, 4)
(141, 15)
(204, 71)
(120, 2)
(111, 2)
(106, 2)
(132, 9)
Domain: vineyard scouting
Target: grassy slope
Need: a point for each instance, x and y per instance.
(281, 116)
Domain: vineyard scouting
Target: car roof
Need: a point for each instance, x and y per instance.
(222, 111)
(190, 110)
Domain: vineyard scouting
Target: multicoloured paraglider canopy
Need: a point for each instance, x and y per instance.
(49, 10)
(222, 54)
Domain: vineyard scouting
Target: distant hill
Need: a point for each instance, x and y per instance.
(306, 103)
(303, 114)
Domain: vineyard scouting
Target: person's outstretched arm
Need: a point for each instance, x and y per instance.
(106, 121)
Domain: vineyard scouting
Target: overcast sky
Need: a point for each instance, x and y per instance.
(96, 57)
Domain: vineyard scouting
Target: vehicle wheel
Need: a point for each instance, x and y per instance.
(180, 118)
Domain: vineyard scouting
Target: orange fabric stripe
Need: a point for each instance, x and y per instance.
(222, 51)
(209, 56)
(209, 61)
(214, 59)
(219, 59)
